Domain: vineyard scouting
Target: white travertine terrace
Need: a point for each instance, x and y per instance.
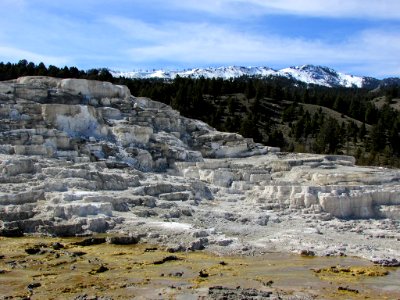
(79, 156)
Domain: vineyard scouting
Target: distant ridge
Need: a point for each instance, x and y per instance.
(309, 74)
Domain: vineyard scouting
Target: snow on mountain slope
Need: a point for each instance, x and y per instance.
(228, 72)
(309, 74)
(322, 76)
(221, 72)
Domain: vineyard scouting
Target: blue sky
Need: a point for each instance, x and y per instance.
(360, 37)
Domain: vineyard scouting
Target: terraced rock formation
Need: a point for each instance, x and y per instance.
(79, 157)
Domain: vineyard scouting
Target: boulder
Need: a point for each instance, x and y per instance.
(110, 113)
(93, 88)
(39, 81)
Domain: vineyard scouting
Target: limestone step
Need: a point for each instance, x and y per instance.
(80, 209)
(17, 212)
(21, 198)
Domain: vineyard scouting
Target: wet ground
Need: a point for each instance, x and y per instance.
(56, 268)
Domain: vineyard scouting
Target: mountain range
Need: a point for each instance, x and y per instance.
(309, 74)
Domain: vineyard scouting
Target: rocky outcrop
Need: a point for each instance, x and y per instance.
(79, 156)
(93, 89)
(304, 182)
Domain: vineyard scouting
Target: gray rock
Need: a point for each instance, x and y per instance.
(224, 242)
(200, 234)
(123, 240)
(387, 262)
(262, 220)
(198, 244)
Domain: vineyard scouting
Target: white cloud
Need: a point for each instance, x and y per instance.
(13, 54)
(382, 9)
(194, 44)
(135, 28)
(181, 34)
(13, 4)
(377, 50)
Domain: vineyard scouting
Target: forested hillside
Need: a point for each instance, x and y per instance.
(275, 111)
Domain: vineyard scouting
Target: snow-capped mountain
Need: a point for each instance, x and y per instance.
(221, 72)
(322, 76)
(309, 74)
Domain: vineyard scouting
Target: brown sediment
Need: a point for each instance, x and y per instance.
(351, 273)
(126, 271)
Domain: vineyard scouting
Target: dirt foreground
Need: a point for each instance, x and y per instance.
(56, 268)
